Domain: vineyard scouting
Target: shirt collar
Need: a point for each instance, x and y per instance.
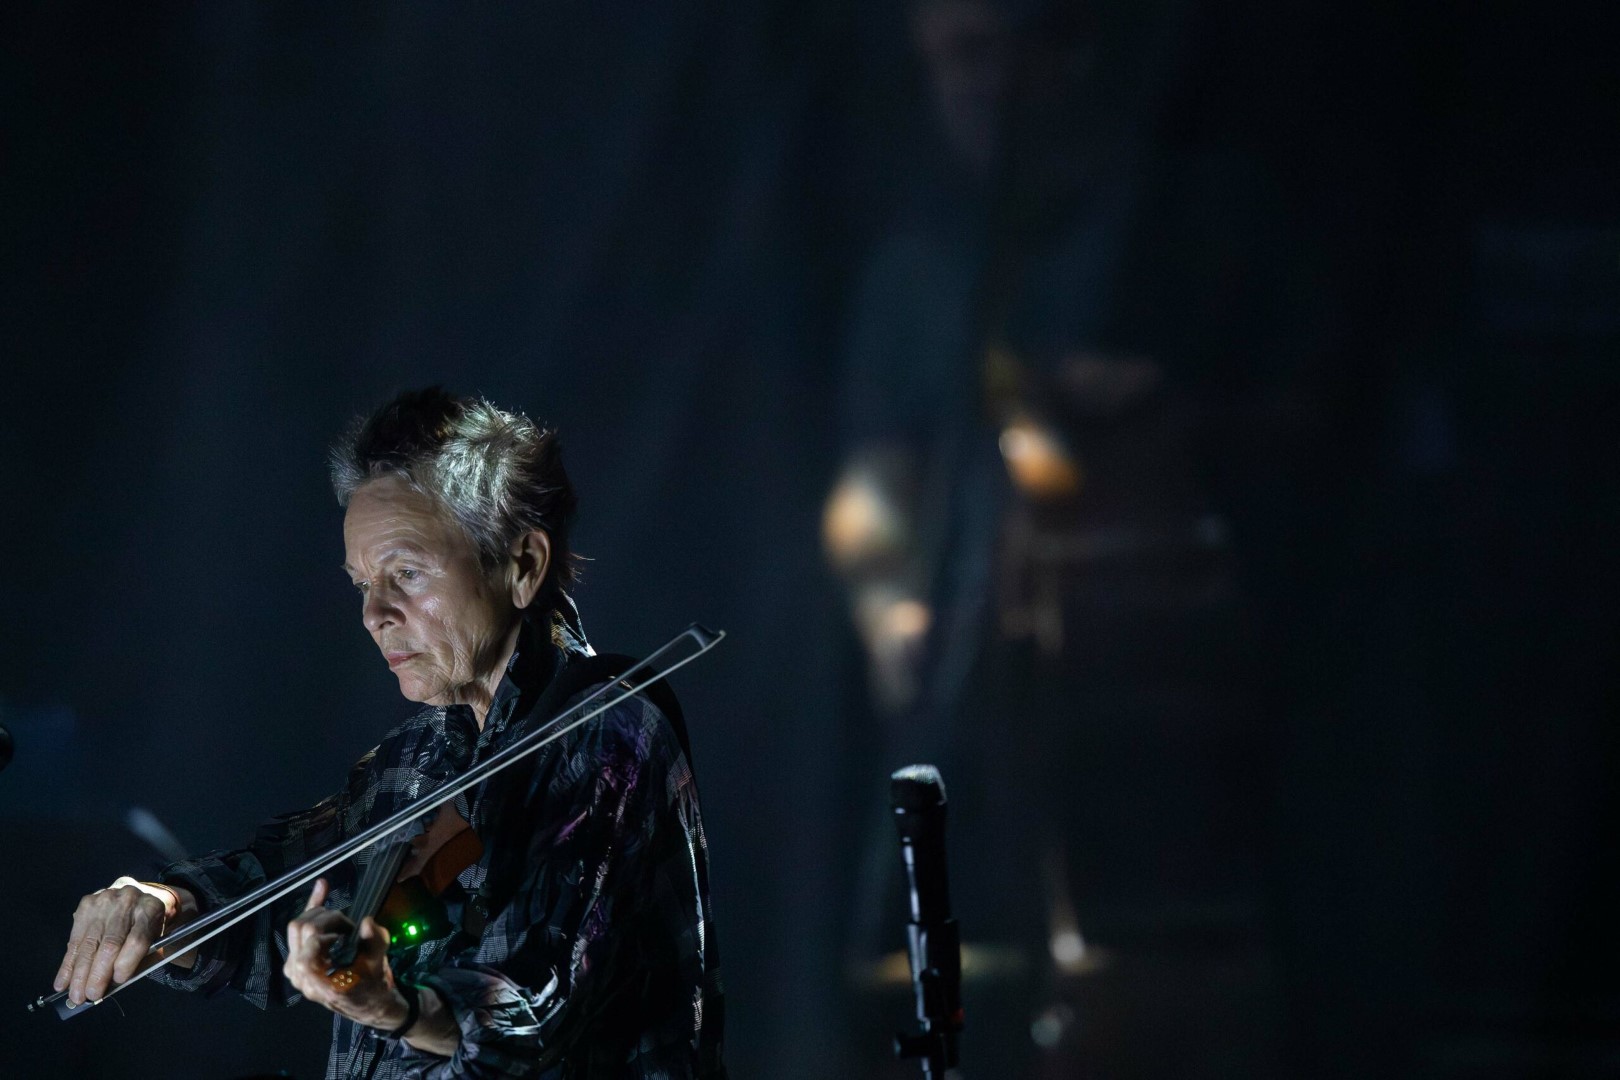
(545, 642)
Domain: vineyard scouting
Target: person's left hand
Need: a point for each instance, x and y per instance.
(369, 997)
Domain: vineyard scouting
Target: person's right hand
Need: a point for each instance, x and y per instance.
(112, 929)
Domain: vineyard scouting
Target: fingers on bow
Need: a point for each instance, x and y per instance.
(112, 930)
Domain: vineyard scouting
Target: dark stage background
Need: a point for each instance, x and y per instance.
(1359, 822)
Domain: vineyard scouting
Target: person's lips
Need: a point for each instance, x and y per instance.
(397, 658)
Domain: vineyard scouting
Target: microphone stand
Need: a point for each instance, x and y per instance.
(917, 795)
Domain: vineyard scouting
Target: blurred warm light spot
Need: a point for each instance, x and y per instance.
(980, 963)
(1037, 461)
(1072, 956)
(1068, 949)
(905, 620)
(860, 522)
(893, 626)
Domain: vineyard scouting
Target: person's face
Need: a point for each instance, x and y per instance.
(442, 623)
(965, 45)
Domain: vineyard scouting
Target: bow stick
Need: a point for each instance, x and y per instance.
(675, 654)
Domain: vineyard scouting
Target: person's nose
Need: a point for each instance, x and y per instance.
(380, 610)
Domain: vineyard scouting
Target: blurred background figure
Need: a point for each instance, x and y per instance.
(1038, 552)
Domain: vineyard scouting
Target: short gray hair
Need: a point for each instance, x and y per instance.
(497, 473)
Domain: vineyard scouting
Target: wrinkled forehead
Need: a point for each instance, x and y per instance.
(389, 515)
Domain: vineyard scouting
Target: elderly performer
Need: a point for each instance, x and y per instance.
(583, 946)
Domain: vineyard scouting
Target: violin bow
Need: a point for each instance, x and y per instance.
(673, 655)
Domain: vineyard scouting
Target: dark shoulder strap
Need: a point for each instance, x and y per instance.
(581, 672)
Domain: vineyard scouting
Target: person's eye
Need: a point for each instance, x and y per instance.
(408, 574)
(361, 586)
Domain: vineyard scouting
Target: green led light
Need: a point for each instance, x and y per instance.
(410, 928)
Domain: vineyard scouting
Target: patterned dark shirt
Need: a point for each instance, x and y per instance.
(585, 946)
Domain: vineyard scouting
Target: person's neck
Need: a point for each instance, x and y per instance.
(479, 695)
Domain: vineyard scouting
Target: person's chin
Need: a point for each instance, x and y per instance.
(413, 689)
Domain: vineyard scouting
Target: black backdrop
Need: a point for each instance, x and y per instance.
(230, 227)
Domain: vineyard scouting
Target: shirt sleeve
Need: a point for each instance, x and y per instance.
(249, 957)
(601, 830)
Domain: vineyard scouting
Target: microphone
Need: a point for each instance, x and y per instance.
(6, 747)
(917, 796)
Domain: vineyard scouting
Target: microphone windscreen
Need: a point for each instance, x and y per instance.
(916, 787)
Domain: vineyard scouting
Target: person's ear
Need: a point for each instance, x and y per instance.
(531, 559)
